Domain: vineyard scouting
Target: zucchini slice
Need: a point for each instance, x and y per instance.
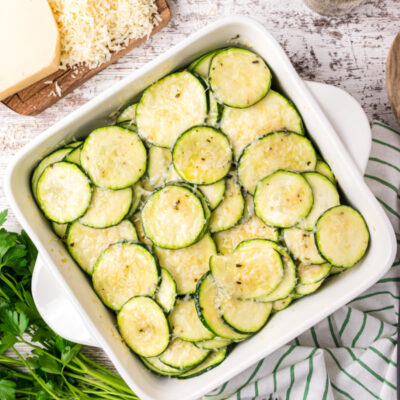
(202, 155)
(230, 210)
(125, 270)
(183, 355)
(172, 175)
(64, 192)
(213, 193)
(60, 229)
(213, 360)
(206, 299)
(336, 270)
(74, 144)
(244, 316)
(128, 114)
(280, 305)
(301, 245)
(128, 125)
(303, 290)
(238, 77)
(323, 168)
(160, 159)
(174, 217)
(254, 270)
(85, 244)
(342, 236)
(143, 326)
(283, 198)
(185, 322)
(55, 156)
(187, 265)
(276, 150)
(288, 281)
(201, 65)
(215, 111)
(154, 364)
(114, 157)
(309, 274)
(74, 156)
(325, 196)
(108, 207)
(253, 228)
(137, 221)
(273, 113)
(171, 106)
(213, 344)
(166, 292)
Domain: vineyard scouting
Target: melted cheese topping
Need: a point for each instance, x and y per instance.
(202, 156)
(108, 207)
(302, 246)
(187, 265)
(173, 217)
(114, 157)
(230, 210)
(169, 107)
(272, 113)
(342, 236)
(239, 77)
(254, 228)
(248, 273)
(325, 196)
(64, 192)
(86, 244)
(124, 270)
(281, 150)
(283, 199)
(181, 354)
(185, 322)
(144, 326)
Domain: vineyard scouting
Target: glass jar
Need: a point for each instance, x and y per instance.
(332, 7)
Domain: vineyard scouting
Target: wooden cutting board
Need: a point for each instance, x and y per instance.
(42, 94)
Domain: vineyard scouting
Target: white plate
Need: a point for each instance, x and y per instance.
(285, 325)
(53, 302)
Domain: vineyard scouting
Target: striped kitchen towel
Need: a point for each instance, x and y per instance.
(351, 354)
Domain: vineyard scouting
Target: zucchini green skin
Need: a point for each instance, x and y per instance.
(261, 88)
(85, 206)
(364, 245)
(128, 114)
(249, 179)
(213, 344)
(189, 138)
(54, 156)
(174, 245)
(74, 144)
(244, 329)
(148, 125)
(282, 304)
(185, 364)
(321, 271)
(268, 217)
(199, 66)
(60, 229)
(163, 319)
(123, 171)
(164, 370)
(166, 278)
(100, 289)
(128, 125)
(228, 332)
(212, 361)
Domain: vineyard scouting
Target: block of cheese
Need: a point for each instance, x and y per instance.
(29, 44)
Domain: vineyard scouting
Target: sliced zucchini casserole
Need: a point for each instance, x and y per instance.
(201, 212)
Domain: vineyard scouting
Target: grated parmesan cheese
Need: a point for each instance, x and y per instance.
(91, 30)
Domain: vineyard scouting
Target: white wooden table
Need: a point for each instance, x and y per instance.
(349, 52)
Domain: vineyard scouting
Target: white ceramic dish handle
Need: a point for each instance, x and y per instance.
(349, 121)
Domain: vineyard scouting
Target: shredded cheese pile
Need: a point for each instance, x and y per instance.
(91, 30)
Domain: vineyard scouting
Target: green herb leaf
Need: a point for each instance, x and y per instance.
(50, 365)
(69, 353)
(12, 322)
(7, 389)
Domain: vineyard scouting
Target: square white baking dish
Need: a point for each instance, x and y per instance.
(285, 325)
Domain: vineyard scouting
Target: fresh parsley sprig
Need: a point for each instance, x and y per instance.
(54, 368)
